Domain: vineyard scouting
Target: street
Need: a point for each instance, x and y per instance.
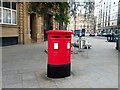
(25, 66)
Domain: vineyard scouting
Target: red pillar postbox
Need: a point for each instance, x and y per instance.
(59, 53)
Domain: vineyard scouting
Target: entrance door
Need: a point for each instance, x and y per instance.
(47, 25)
(33, 27)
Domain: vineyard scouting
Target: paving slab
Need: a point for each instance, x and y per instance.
(25, 66)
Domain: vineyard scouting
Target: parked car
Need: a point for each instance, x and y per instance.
(76, 33)
(84, 43)
(104, 34)
(79, 32)
(112, 36)
(98, 34)
(91, 34)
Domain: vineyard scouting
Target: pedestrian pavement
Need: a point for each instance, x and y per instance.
(25, 66)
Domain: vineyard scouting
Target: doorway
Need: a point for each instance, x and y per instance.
(33, 27)
(48, 25)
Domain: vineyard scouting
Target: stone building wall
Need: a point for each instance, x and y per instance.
(24, 25)
(22, 30)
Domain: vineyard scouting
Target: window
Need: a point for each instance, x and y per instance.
(13, 5)
(6, 16)
(84, 25)
(0, 3)
(6, 4)
(81, 26)
(87, 26)
(13, 17)
(8, 13)
(0, 16)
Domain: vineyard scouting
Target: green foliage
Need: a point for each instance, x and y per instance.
(61, 18)
(62, 14)
(59, 10)
(40, 8)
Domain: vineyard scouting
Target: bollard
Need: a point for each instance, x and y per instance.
(80, 35)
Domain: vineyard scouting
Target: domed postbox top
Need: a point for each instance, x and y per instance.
(59, 32)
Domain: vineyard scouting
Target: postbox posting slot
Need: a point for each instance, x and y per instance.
(67, 36)
(55, 36)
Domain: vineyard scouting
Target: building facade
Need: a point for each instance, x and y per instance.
(84, 19)
(20, 27)
(107, 15)
(82, 23)
(118, 21)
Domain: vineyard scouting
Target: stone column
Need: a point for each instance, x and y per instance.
(42, 28)
(24, 24)
(39, 24)
(20, 22)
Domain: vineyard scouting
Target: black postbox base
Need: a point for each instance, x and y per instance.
(58, 71)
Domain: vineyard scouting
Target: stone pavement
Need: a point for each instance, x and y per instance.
(24, 66)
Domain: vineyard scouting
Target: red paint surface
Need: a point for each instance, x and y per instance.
(61, 55)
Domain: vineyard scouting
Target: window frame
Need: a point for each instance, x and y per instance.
(11, 12)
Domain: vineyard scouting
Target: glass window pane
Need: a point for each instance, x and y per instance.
(0, 16)
(81, 26)
(87, 26)
(13, 5)
(6, 4)
(6, 16)
(13, 17)
(0, 2)
(84, 26)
